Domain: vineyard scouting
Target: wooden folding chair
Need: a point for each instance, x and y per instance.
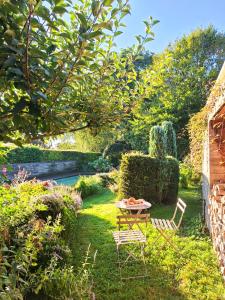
(165, 225)
(130, 236)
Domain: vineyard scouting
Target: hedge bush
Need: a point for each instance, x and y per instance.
(152, 179)
(29, 154)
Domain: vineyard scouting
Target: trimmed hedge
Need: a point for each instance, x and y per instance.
(29, 154)
(152, 179)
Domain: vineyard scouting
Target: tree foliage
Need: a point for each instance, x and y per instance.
(115, 151)
(157, 142)
(85, 141)
(170, 138)
(58, 69)
(178, 82)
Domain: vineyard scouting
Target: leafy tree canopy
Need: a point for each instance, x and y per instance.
(85, 141)
(177, 83)
(58, 70)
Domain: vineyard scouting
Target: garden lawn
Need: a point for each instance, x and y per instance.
(190, 274)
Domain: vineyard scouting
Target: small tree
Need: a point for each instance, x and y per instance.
(170, 139)
(59, 68)
(157, 143)
(114, 152)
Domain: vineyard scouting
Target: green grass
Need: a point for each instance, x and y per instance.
(190, 274)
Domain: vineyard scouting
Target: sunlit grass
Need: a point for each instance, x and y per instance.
(190, 274)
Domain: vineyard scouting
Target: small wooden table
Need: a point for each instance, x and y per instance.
(138, 208)
(127, 209)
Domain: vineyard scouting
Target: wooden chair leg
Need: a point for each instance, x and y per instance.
(124, 263)
(168, 239)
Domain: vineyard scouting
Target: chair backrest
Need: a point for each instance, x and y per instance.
(180, 208)
(132, 219)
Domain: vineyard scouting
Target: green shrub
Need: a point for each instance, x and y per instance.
(64, 283)
(170, 139)
(32, 244)
(157, 142)
(89, 185)
(185, 174)
(101, 165)
(188, 176)
(114, 152)
(153, 179)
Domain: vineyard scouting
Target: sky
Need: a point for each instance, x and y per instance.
(177, 17)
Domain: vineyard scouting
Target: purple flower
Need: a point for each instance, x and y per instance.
(4, 170)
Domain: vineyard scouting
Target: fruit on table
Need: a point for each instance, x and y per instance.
(133, 201)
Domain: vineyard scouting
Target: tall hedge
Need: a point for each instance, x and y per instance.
(157, 142)
(30, 154)
(170, 138)
(155, 180)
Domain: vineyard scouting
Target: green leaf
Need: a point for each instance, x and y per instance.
(95, 7)
(34, 23)
(82, 19)
(155, 22)
(117, 33)
(93, 34)
(42, 95)
(107, 2)
(43, 12)
(20, 105)
(114, 12)
(106, 25)
(65, 35)
(10, 61)
(59, 10)
(149, 39)
(16, 71)
(138, 38)
(10, 33)
(51, 48)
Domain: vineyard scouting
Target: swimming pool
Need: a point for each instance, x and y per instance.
(67, 180)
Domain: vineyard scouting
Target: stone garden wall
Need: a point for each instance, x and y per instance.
(47, 169)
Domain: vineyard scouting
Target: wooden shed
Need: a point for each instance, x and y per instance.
(213, 186)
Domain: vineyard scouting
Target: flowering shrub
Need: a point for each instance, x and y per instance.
(20, 177)
(32, 244)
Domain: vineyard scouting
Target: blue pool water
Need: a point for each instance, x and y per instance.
(67, 180)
